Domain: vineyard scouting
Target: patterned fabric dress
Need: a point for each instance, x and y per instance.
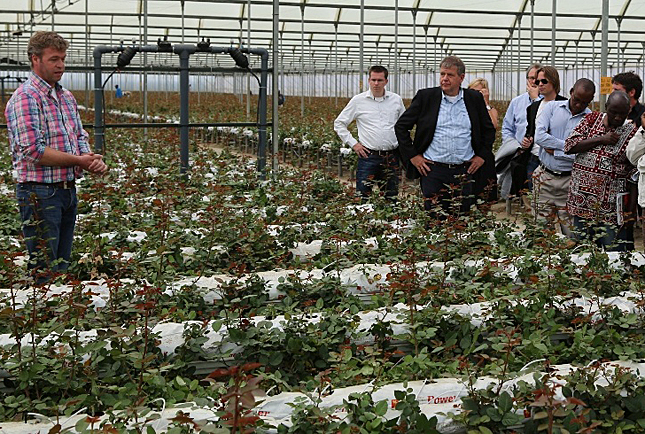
(599, 174)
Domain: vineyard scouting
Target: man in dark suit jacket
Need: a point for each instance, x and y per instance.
(452, 144)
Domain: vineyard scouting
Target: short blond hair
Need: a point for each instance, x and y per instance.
(43, 39)
(476, 82)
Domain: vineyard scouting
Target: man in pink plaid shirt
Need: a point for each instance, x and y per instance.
(49, 152)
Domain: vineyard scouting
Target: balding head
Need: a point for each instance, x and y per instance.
(617, 108)
(618, 99)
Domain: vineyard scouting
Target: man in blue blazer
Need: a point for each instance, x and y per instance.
(452, 148)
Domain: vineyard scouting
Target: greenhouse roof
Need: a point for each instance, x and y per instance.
(325, 34)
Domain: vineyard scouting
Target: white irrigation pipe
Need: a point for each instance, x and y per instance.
(41, 417)
(530, 363)
(163, 408)
(74, 414)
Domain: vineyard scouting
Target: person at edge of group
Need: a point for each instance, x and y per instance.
(481, 85)
(599, 176)
(513, 132)
(551, 179)
(453, 142)
(49, 152)
(375, 112)
(632, 85)
(118, 92)
(635, 152)
(548, 83)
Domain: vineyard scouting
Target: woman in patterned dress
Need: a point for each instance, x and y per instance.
(599, 179)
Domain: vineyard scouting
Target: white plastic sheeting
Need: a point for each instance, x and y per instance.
(161, 422)
(362, 279)
(172, 335)
(436, 397)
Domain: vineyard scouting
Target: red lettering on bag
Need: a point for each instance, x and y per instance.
(441, 399)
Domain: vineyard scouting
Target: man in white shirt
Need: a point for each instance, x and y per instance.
(375, 112)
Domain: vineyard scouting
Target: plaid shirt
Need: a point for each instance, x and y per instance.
(35, 120)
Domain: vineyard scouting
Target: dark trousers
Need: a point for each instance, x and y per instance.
(604, 235)
(381, 170)
(533, 164)
(447, 189)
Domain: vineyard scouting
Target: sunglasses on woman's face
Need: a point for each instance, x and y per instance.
(543, 81)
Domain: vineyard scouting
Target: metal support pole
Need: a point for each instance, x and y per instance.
(532, 29)
(183, 27)
(576, 65)
(312, 77)
(302, 60)
(604, 47)
(414, 51)
(336, 71)
(425, 57)
(87, 54)
(493, 84)
(593, 58)
(553, 24)
(262, 127)
(145, 73)
(98, 102)
(184, 90)
(396, 47)
(282, 74)
(565, 67)
(434, 63)
(248, 45)
(519, 55)
(361, 48)
(275, 131)
(510, 61)
(619, 51)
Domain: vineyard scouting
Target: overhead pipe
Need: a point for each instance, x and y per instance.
(184, 52)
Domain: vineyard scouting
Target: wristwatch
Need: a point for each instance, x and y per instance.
(489, 108)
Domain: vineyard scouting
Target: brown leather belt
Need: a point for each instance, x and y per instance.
(66, 185)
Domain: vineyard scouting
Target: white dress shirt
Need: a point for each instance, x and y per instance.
(375, 119)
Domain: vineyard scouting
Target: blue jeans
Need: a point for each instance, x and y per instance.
(605, 235)
(48, 217)
(380, 170)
